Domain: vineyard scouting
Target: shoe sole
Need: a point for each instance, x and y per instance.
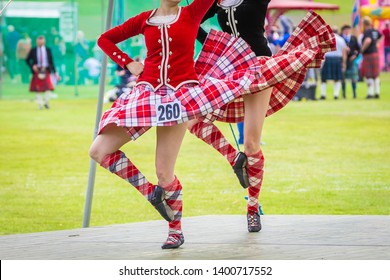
(240, 170)
(158, 201)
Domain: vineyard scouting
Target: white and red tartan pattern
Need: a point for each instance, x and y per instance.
(286, 70)
(211, 135)
(226, 67)
(255, 170)
(173, 197)
(120, 165)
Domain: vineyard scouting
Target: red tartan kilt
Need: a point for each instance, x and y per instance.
(41, 85)
(370, 67)
(286, 70)
(226, 68)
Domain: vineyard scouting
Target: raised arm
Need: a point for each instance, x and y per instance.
(202, 34)
(199, 8)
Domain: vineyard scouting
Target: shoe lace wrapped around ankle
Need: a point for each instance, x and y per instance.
(173, 238)
(253, 219)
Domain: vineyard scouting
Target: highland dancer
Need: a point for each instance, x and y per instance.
(280, 78)
(168, 93)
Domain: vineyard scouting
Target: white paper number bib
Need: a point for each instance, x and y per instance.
(168, 112)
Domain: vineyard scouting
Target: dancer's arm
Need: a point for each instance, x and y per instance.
(202, 34)
(199, 8)
(108, 40)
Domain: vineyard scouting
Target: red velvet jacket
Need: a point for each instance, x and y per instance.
(170, 47)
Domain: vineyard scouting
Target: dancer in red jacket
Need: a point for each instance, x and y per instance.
(168, 93)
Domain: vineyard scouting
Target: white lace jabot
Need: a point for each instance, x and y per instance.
(162, 19)
(229, 3)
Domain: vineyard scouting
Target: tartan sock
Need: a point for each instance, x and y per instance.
(120, 165)
(173, 197)
(211, 135)
(255, 169)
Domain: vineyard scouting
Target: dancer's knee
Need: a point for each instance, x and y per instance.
(96, 153)
(191, 125)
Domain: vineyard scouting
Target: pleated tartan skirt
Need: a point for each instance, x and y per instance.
(286, 70)
(370, 67)
(231, 69)
(227, 69)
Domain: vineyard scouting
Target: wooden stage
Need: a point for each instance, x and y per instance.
(283, 237)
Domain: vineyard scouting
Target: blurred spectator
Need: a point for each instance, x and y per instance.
(22, 49)
(11, 39)
(386, 36)
(126, 82)
(309, 86)
(81, 49)
(41, 63)
(91, 70)
(334, 65)
(370, 65)
(58, 48)
(352, 71)
(284, 33)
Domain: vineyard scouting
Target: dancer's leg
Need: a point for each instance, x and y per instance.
(105, 151)
(210, 134)
(256, 107)
(169, 140)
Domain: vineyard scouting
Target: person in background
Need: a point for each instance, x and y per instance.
(22, 49)
(81, 48)
(386, 45)
(351, 72)
(40, 61)
(92, 67)
(370, 66)
(334, 65)
(10, 42)
(58, 48)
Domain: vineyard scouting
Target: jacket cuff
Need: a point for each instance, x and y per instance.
(121, 58)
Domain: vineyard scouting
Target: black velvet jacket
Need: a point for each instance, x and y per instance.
(32, 59)
(245, 20)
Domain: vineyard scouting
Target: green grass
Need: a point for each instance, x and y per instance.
(328, 157)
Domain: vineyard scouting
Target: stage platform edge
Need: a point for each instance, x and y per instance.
(283, 237)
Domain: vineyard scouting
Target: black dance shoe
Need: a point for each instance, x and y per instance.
(254, 223)
(158, 201)
(239, 168)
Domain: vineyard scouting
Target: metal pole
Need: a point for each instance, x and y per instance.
(99, 109)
